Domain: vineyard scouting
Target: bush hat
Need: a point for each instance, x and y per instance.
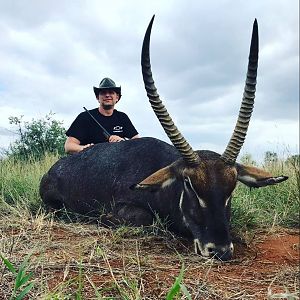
(107, 84)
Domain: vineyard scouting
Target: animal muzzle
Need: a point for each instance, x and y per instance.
(211, 250)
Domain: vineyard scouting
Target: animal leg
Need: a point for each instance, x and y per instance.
(135, 215)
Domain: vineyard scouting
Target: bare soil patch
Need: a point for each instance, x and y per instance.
(128, 263)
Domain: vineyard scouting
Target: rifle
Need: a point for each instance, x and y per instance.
(104, 131)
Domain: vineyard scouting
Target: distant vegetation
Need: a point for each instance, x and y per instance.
(36, 138)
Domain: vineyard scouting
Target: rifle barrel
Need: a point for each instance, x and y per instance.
(105, 132)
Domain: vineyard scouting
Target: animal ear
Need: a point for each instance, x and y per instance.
(158, 180)
(255, 177)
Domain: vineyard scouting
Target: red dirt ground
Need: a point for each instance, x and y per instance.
(267, 264)
(261, 266)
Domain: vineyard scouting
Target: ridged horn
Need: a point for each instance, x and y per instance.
(239, 134)
(161, 112)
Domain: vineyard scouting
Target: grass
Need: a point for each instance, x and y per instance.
(178, 287)
(22, 286)
(264, 207)
(20, 181)
(75, 260)
(276, 205)
(83, 261)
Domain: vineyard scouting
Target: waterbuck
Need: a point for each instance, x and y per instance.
(135, 180)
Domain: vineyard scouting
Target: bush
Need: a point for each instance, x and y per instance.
(36, 138)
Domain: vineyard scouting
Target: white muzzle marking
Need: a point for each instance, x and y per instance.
(210, 249)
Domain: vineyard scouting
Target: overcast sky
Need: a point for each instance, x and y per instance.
(52, 53)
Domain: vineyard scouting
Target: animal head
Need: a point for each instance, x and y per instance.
(206, 179)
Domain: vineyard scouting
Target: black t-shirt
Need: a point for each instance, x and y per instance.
(87, 131)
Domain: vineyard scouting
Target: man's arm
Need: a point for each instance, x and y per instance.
(72, 145)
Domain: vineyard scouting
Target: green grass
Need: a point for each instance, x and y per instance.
(20, 183)
(178, 287)
(22, 284)
(276, 205)
(269, 206)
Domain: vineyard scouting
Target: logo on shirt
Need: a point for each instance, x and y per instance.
(118, 129)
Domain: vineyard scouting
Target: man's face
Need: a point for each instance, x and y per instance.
(108, 99)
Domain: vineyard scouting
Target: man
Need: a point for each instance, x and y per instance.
(85, 132)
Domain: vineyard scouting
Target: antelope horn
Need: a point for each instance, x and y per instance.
(239, 134)
(160, 110)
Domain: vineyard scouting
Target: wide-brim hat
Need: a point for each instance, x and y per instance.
(107, 84)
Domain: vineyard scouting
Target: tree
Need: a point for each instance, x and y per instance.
(248, 160)
(36, 138)
(270, 158)
(293, 160)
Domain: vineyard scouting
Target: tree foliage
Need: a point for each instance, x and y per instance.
(270, 158)
(37, 137)
(247, 159)
(294, 160)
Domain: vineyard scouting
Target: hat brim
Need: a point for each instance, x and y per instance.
(98, 90)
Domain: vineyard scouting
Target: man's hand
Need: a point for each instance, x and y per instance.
(72, 145)
(115, 138)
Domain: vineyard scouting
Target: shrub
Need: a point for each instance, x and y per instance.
(36, 138)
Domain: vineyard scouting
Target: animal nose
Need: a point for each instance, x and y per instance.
(222, 253)
(211, 250)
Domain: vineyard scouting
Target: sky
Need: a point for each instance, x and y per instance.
(52, 53)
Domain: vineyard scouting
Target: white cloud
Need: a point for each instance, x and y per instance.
(53, 53)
